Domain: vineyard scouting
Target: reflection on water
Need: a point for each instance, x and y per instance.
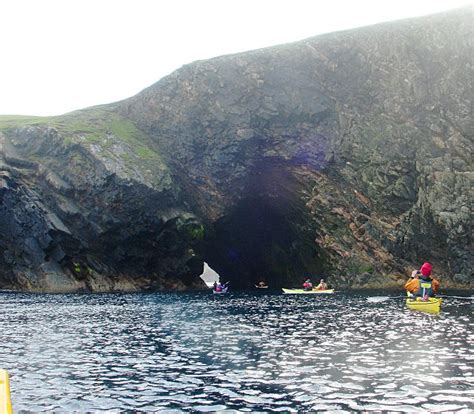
(245, 351)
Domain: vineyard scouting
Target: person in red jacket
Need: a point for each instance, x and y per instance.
(421, 284)
(307, 285)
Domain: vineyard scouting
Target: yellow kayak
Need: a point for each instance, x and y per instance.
(5, 401)
(432, 305)
(307, 292)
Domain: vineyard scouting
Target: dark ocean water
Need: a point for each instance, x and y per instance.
(241, 352)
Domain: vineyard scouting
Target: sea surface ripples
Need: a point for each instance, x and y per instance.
(242, 352)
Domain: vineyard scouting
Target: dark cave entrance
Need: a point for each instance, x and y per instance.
(267, 236)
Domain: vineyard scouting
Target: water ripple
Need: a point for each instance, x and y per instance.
(242, 352)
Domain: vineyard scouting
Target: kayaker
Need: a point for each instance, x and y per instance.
(219, 287)
(421, 284)
(322, 285)
(223, 286)
(307, 285)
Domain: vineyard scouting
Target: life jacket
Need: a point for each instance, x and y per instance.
(307, 285)
(425, 289)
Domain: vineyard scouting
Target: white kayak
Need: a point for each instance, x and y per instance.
(308, 292)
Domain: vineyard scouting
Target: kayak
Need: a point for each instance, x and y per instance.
(261, 287)
(224, 290)
(431, 305)
(308, 292)
(5, 401)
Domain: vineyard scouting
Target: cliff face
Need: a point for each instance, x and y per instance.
(91, 209)
(347, 155)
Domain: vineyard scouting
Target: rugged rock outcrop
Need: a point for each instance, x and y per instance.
(75, 218)
(347, 155)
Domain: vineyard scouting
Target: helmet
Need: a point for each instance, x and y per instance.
(426, 269)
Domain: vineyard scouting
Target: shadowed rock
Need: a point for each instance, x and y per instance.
(347, 155)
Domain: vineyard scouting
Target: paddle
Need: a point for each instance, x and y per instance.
(456, 297)
(377, 299)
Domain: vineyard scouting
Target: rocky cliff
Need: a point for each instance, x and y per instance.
(346, 155)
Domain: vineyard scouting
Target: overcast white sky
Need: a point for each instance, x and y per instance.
(62, 55)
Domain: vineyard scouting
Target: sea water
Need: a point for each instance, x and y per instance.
(240, 352)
